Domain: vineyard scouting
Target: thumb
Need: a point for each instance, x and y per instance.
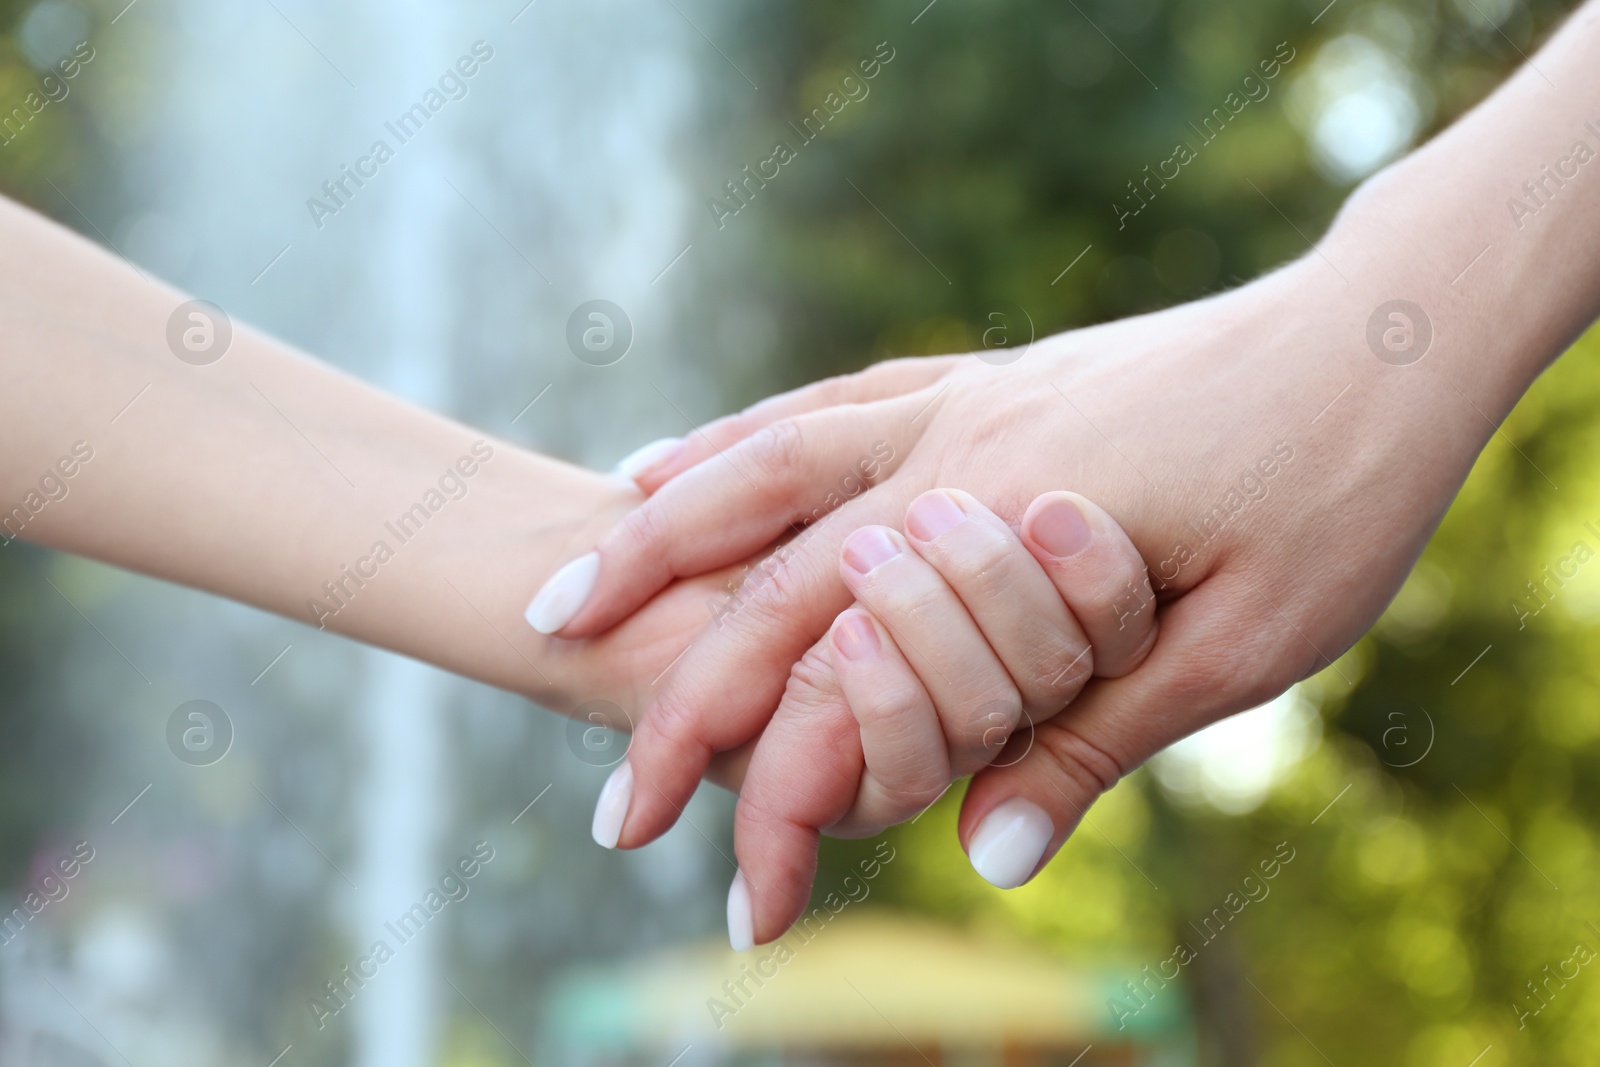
(1020, 810)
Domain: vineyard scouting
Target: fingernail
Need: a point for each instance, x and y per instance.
(932, 514)
(611, 810)
(649, 457)
(741, 922)
(869, 548)
(1009, 843)
(855, 637)
(1060, 528)
(563, 595)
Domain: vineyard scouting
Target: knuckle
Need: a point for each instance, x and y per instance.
(1064, 671)
(902, 601)
(644, 528)
(784, 584)
(1244, 663)
(986, 573)
(812, 682)
(755, 818)
(980, 735)
(1088, 765)
(1107, 592)
(893, 704)
(673, 724)
(913, 795)
(1133, 602)
(1114, 602)
(777, 451)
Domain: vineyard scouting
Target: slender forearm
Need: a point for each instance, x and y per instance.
(1493, 228)
(268, 477)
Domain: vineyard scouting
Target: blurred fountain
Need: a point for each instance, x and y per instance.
(448, 278)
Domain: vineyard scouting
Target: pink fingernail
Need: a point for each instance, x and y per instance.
(932, 514)
(868, 549)
(1060, 529)
(855, 637)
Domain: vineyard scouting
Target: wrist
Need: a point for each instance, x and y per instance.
(1493, 227)
(1441, 288)
(537, 515)
(460, 561)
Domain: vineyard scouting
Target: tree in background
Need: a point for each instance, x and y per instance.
(1447, 901)
(43, 136)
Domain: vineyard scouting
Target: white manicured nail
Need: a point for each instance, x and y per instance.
(1009, 843)
(651, 455)
(611, 810)
(741, 923)
(563, 595)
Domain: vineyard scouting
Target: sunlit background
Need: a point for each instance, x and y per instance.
(1427, 808)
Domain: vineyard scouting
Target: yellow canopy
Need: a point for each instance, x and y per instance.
(866, 980)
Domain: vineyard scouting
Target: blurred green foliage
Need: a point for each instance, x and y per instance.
(1002, 134)
(55, 142)
(1420, 906)
(997, 140)
(35, 730)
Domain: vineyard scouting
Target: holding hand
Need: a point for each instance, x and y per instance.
(962, 632)
(964, 638)
(1276, 532)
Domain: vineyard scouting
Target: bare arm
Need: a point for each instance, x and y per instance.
(276, 480)
(1279, 454)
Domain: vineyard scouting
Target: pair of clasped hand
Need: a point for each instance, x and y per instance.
(964, 633)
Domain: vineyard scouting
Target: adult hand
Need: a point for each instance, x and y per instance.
(1278, 454)
(1263, 462)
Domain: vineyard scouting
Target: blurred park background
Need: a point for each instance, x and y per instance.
(1435, 851)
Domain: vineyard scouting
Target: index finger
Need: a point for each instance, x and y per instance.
(783, 478)
(655, 465)
(730, 681)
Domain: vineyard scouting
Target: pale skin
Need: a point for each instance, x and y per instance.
(260, 475)
(266, 434)
(267, 477)
(1157, 418)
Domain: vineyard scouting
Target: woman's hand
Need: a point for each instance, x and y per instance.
(963, 630)
(966, 636)
(1278, 477)
(1279, 454)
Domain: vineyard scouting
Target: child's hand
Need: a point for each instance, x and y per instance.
(962, 634)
